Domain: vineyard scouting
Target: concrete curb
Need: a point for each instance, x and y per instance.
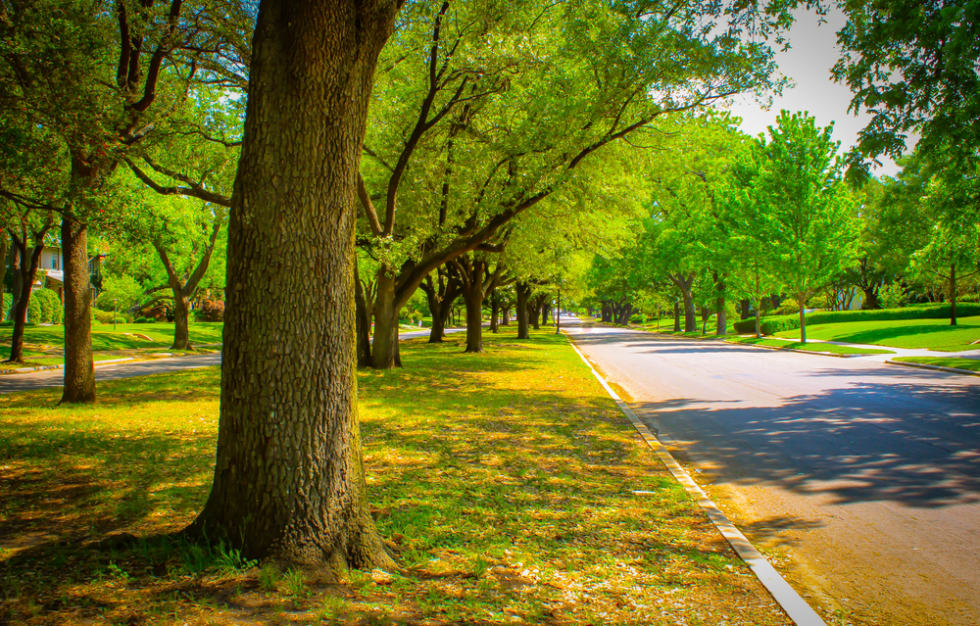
(791, 602)
(938, 368)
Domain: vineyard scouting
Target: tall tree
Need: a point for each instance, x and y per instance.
(289, 480)
(808, 213)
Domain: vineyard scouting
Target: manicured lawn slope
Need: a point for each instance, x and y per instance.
(934, 334)
(43, 345)
(806, 347)
(504, 482)
(963, 364)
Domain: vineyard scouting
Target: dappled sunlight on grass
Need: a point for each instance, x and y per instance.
(503, 481)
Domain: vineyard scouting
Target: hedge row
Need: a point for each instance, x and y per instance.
(777, 323)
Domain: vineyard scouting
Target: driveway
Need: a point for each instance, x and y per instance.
(860, 479)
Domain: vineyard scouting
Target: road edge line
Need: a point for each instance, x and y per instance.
(930, 366)
(785, 596)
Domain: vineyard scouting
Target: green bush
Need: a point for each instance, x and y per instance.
(50, 306)
(105, 317)
(6, 301)
(778, 323)
(34, 313)
(638, 318)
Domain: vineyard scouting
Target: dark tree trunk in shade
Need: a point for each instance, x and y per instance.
(545, 310)
(677, 317)
(494, 312)
(744, 309)
(79, 386)
(27, 262)
(523, 295)
(473, 294)
(289, 480)
(505, 316)
(385, 345)
(362, 324)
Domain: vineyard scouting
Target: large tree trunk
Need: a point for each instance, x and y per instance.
(690, 315)
(523, 294)
(289, 480)
(385, 346)
(79, 364)
(505, 316)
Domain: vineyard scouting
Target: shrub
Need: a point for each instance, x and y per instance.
(638, 318)
(6, 302)
(891, 296)
(144, 320)
(211, 311)
(34, 313)
(778, 323)
(122, 292)
(105, 317)
(50, 306)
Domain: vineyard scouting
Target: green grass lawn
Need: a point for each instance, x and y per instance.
(806, 347)
(960, 363)
(43, 345)
(934, 334)
(504, 482)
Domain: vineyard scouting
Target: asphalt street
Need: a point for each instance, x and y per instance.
(861, 479)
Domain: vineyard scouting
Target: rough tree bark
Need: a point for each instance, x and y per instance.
(289, 481)
(79, 386)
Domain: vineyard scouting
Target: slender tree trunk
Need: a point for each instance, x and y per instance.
(952, 294)
(534, 313)
(79, 363)
(802, 319)
(721, 320)
(705, 314)
(690, 315)
(26, 274)
(362, 324)
(494, 311)
(545, 310)
(677, 317)
(505, 316)
(182, 339)
(473, 296)
(523, 293)
(383, 350)
(758, 319)
(289, 480)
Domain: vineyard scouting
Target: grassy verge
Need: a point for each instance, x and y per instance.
(44, 345)
(505, 482)
(934, 334)
(959, 363)
(805, 347)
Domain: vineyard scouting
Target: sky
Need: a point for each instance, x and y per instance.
(808, 63)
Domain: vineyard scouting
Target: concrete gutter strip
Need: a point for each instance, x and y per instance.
(929, 366)
(791, 602)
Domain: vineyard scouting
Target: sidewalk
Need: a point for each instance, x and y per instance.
(965, 354)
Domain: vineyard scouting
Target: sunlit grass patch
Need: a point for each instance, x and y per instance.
(934, 334)
(959, 363)
(503, 481)
(806, 347)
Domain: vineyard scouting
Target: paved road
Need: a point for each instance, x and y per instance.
(862, 478)
(55, 378)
